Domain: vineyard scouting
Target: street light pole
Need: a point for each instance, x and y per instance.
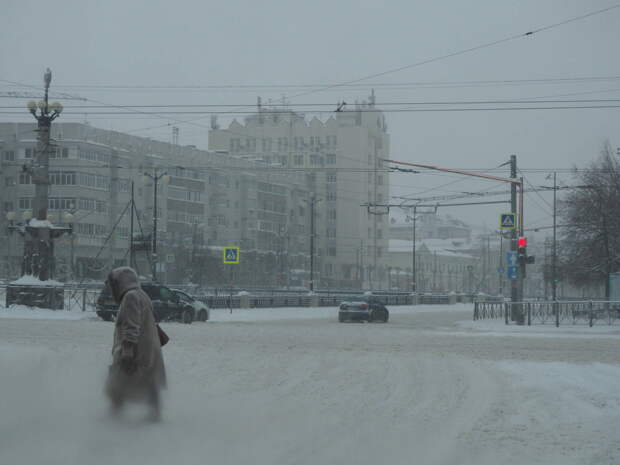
(38, 247)
(414, 286)
(155, 177)
(69, 217)
(413, 264)
(312, 201)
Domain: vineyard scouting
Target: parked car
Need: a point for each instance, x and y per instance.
(167, 306)
(201, 309)
(363, 308)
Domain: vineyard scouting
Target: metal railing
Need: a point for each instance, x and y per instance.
(590, 312)
(84, 298)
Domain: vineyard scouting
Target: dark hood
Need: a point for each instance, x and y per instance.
(121, 280)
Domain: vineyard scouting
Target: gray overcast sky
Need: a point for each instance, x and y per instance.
(198, 43)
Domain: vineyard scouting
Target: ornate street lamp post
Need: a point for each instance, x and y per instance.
(39, 233)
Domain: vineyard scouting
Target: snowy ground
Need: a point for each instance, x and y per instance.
(294, 386)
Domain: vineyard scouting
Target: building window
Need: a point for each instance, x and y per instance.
(9, 181)
(299, 160)
(331, 158)
(59, 152)
(8, 155)
(61, 203)
(25, 178)
(25, 203)
(380, 180)
(92, 155)
(267, 145)
(331, 177)
(298, 142)
(29, 153)
(62, 178)
(8, 206)
(250, 144)
(235, 145)
(331, 196)
(331, 251)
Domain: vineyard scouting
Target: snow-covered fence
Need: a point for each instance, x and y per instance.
(588, 312)
(79, 298)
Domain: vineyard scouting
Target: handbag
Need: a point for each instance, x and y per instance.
(163, 337)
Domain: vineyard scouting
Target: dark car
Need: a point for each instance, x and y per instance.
(363, 309)
(167, 306)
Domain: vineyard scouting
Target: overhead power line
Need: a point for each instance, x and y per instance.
(330, 106)
(394, 110)
(463, 51)
(406, 84)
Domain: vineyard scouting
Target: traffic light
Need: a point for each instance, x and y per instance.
(522, 251)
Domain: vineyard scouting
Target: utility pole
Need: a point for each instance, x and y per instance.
(132, 258)
(501, 255)
(516, 284)
(312, 243)
(554, 283)
(413, 274)
(166, 179)
(362, 273)
(312, 202)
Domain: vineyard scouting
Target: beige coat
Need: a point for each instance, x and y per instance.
(135, 324)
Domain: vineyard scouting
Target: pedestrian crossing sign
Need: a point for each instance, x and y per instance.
(231, 255)
(508, 221)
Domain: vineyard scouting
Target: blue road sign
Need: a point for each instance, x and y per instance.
(231, 255)
(500, 269)
(507, 221)
(512, 273)
(511, 258)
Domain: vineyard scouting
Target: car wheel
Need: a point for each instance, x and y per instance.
(188, 316)
(202, 315)
(385, 318)
(341, 318)
(107, 317)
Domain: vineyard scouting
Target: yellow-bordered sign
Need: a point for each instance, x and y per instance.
(230, 255)
(507, 221)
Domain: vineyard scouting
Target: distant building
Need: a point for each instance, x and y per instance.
(211, 200)
(429, 226)
(341, 162)
(448, 259)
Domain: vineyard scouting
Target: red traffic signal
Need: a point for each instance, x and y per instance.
(521, 242)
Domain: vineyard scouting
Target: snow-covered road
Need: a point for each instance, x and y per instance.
(293, 386)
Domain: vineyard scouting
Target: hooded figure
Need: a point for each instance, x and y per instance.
(137, 372)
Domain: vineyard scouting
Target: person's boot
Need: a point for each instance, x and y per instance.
(116, 407)
(154, 415)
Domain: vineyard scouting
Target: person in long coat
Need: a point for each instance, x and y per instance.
(137, 372)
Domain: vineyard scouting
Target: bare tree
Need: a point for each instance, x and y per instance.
(591, 240)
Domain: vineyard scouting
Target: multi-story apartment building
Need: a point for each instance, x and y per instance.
(205, 201)
(339, 161)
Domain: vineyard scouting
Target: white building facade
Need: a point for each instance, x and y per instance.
(340, 161)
